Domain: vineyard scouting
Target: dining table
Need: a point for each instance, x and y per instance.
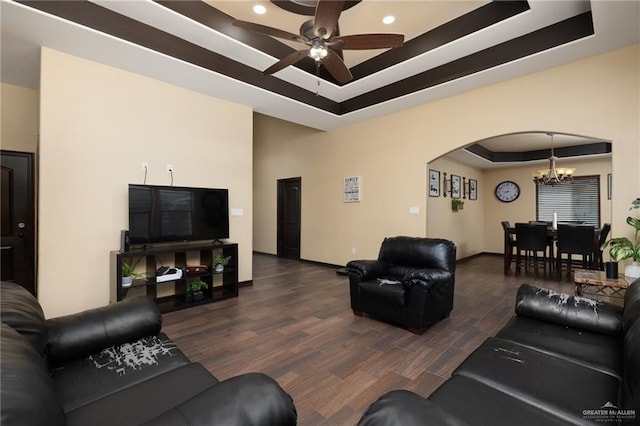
(552, 234)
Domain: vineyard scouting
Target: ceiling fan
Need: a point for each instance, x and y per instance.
(317, 33)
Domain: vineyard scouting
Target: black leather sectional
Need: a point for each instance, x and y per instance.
(113, 366)
(562, 360)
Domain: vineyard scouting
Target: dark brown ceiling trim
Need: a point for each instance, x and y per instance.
(475, 20)
(93, 16)
(213, 18)
(104, 20)
(540, 154)
(219, 21)
(301, 9)
(464, 25)
(546, 38)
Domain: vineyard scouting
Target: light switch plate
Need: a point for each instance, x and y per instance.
(237, 212)
(414, 210)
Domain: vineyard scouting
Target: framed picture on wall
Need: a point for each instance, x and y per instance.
(473, 189)
(609, 182)
(434, 183)
(455, 186)
(352, 189)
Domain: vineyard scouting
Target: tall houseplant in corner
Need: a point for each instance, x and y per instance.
(623, 248)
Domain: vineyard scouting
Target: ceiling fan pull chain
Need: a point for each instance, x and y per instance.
(317, 78)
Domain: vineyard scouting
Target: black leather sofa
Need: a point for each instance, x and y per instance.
(562, 360)
(410, 284)
(113, 366)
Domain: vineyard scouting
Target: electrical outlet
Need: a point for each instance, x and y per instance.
(353, 250)
(145, 166)
(169, 168)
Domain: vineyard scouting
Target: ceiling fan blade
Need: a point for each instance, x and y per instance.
(326, 17)
(369, 41)
(270, 31)
(286, 61)
(336, 67)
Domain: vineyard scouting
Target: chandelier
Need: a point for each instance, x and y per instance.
(553, 175)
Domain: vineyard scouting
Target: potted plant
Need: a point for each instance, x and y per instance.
(129, 272)
(195, 290)
(623, 248)
(219, 262)
(457, 204)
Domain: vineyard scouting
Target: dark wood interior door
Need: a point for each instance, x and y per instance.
(289, 202)
(17, 246)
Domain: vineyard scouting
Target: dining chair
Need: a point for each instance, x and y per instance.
(531, 240)
(509, 245)
(574, 240)
(604, 233)
(550, 239)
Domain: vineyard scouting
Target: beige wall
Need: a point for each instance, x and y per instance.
(594, 97)
(98, 124)
(18, 118)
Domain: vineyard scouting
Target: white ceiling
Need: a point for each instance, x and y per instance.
(25, 29)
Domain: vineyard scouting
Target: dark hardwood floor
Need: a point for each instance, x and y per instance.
(295, 324)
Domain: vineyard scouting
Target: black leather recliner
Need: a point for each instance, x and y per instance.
(410, 284)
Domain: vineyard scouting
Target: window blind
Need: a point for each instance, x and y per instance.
(575, 201)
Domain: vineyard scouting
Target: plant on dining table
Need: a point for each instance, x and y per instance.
(622, 248)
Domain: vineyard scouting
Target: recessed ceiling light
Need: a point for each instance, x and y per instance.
(259, 9)
(389, 19)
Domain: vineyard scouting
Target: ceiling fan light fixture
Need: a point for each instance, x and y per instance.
(553, 175)
(318, 51)
(319, 34)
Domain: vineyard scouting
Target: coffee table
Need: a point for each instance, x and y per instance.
(596, 283)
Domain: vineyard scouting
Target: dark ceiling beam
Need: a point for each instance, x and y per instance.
(539, 154)
(301, 9)
(560, 33)
(470, 22)
(104, 20)
(94, 16)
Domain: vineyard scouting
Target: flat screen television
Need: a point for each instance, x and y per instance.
(162, 214)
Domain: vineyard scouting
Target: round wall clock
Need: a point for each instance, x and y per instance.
(507, 191)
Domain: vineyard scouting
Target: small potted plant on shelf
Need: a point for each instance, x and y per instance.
(195, 290)
(456, 204)
(623, 248)
(129, 272)
(219, 262)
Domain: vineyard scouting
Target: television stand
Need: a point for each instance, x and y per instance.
(172, 295)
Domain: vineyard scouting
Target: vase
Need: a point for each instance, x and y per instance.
(611, 269)
(632, 270)
(197, 296)
(127, 281)
(219, 267)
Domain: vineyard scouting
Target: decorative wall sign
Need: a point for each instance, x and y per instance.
(352, 189)
(455, 186)
(473, 189)
(434, 183)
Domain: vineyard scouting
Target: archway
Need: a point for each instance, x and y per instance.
(512, 157)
